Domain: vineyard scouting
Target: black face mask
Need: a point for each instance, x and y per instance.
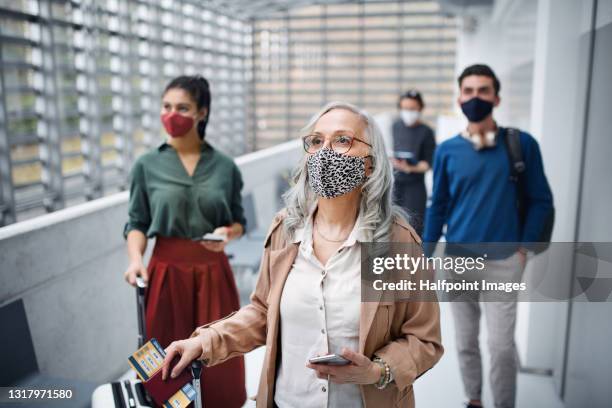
(476, 109)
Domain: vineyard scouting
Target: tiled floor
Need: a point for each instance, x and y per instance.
(441, 387)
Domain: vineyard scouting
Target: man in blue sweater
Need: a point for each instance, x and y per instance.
(474, 196)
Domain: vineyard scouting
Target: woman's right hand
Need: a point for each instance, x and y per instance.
(189, 350)
(134, 270)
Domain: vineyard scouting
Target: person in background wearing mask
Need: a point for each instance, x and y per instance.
(180, 191)
(475, 197)
(413, 146)
(307, 300)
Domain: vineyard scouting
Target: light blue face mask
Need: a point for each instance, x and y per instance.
(410, 117)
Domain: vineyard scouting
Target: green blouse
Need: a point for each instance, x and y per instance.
(166, 201)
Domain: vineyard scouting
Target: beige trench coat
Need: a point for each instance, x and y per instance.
(406, 335)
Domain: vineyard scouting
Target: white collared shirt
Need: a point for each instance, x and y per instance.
(319, 314)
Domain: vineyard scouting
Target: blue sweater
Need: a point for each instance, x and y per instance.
(474, 196)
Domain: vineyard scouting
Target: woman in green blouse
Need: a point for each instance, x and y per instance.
(180, 191)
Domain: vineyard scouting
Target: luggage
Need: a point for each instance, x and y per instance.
(131, 393)
(125, 394)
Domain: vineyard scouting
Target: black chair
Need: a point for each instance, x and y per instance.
(20, 367)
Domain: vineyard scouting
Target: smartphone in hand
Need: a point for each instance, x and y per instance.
(210, 237)
(329, 359)
(409, 157)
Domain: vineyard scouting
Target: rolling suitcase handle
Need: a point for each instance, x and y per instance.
(196, 372)
(196, 366)
(140, 304)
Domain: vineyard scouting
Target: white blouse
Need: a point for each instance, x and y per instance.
(319, 314)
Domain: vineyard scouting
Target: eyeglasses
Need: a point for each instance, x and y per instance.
(339, 144)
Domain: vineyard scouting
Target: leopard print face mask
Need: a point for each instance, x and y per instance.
(332, 174)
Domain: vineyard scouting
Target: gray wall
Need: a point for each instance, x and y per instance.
(68, 273)
(589, 365)
(67, 267)
(559, 98)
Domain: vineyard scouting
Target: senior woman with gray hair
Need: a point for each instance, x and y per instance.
(307, 300)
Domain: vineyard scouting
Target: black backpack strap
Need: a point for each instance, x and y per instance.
(515, 154)
(517, 169)
(517, 175)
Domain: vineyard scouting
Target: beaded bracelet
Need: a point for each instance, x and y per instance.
(383, 371)
(385, 378)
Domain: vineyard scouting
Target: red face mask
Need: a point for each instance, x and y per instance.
(176, 124)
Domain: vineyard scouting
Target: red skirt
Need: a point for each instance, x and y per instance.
(190, 286)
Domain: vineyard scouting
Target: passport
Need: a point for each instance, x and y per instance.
(176, 392)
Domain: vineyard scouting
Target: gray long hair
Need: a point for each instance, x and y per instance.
(376, 208)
